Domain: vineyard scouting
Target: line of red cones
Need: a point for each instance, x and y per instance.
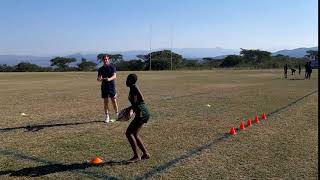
(249, 123)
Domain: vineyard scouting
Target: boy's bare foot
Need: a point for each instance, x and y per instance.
(134, 159)
(145, 156)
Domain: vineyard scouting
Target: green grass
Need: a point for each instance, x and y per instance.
(283, 147)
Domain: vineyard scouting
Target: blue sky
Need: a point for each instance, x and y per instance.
(48, 27)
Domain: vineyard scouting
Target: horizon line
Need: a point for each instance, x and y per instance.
(116, 51)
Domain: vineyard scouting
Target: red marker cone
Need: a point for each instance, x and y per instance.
(96, 160)
(242, 126)
(256, 119)
(249, 122)
(232, 131)
(264, 116)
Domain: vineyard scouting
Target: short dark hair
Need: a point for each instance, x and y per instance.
(104, 56)
(132, 78)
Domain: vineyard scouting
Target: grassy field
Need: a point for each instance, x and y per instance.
(63, 127)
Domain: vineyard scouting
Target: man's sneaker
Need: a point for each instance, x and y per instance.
(107, 119)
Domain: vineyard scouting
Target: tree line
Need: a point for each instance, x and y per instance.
(164, 60)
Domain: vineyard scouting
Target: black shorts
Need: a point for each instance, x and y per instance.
(108, 92)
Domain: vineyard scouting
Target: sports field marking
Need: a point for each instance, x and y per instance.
(153, 172)
(54, 167)
(197, 150)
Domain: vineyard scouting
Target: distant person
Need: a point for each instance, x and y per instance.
(306, 70)
(309, 71)
(285, 69)
(107, 76)
(293, 71)
(299, 68)
(142, 116)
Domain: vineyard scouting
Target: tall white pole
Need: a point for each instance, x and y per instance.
(171, 34)
(150, 46)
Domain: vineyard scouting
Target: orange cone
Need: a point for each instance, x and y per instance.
(249, 122)
(232, 131)
(242, 126)
(264, 116)
(96, 160)
(256, 119)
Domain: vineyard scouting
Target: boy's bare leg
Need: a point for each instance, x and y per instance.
(140, 144)
(133, 143)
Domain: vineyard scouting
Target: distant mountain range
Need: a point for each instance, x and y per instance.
(299, 52)
(189, 53)
(15, 59)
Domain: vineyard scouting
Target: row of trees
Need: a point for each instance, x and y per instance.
(165, 60)
(57, 64)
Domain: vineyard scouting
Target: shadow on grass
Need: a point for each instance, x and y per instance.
(34, 128)
(198, 150)
(55, 168)
(195, 151)
(52, 167)
(294, 79)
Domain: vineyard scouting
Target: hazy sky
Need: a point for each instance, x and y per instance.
(47, 27)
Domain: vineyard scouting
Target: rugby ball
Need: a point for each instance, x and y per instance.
(125, 114)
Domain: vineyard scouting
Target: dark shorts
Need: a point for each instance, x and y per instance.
(108, 92)
(142, 114)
